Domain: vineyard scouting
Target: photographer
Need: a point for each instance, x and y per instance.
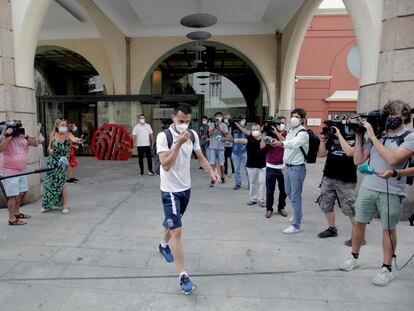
(239, 154)
(217, 130)
(389, 151)
(14, 152)
(339, 177)
(274, 166)
(256, 164)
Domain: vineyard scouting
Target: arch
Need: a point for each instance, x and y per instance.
(92, 51)
(366, 17)
(218, 44)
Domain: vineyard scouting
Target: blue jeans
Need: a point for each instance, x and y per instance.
(294, 178)
(237, 161)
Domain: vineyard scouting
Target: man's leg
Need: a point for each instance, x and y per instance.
(270, 190)
(261, 185)
(13, 211)
(297, 178)
(253, 185)
(141, 159)
(282, 193)
(149, 158)
(243, 157)
(220, 153)
(389, 244)
(237, 175)
(177, 248)
(358, 234)
(226, 156)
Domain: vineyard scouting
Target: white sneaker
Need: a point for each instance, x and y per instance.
(383, 278)
(349, 264)
(44, 210)
(291, 229)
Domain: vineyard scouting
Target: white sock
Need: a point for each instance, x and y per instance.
(163, 244)
(181, 274)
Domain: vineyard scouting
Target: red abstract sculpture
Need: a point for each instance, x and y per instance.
(112, 142)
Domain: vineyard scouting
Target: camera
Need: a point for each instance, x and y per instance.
(268, 124)
(267, 140)
(232, 121)
(16, 125)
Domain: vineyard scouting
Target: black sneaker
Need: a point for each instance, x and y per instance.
(328, 233)
(223, 180)
(236, 187)
(212, 183)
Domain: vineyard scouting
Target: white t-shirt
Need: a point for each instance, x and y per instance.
(177, 179)
(142, 133)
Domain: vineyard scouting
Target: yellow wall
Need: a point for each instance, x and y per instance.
(93, 51)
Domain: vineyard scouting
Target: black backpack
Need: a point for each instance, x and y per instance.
(170, 140)
(399, 140)
(314, 143)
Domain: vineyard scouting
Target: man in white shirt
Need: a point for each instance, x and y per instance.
(174, 149)
(144, 140)
(295, 168)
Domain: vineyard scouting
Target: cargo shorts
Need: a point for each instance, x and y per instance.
(333, 190)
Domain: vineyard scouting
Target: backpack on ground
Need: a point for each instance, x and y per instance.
(314, 143)
(170, 139)
(399, 140)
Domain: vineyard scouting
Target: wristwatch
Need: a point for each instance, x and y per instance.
(395, 173)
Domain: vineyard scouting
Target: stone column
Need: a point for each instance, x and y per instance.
(16, 102)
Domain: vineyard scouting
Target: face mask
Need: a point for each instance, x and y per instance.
(63, 130)
(226, 121)
(181, 128)
(219, 119)
(256, 133)
(74, 129)
(243, 122)
(394, 122)
(204, 122)
(294, 121)
(142, 121)
(281, 127)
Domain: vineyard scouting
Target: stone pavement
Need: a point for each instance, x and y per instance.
(103, 255)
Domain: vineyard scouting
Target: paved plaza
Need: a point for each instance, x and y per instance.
(104, 256)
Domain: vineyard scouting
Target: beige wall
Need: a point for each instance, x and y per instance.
(260, 49)
(93, 51)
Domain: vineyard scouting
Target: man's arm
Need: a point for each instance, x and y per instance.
(322, 151)
(298, 141)
(168, 158)
(31, 141)
(360, 154)
(243, 129)
(4, 143)
(151, 136)
(349, 151)
(206, 165)
(240, 141)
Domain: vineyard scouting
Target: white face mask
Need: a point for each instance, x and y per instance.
(281, 127)
(142, 121)
(219, 119)
(294, 121)
(243, 122)
(204, 122)
(63, 130)
(256, 133)
(181, 128)
(74, 129)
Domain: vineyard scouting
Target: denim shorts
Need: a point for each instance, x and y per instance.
(175, 204)
(369, 202)
(216, 154)
(16, 185)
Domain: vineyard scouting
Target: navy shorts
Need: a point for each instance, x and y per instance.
(175, 204)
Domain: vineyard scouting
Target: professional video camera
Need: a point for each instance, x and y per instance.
(377, 119)
(235, 120)
(16, 125)
(267, 128)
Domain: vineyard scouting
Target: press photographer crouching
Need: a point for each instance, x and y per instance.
(14, 152)
(389, 150)
(339, 174)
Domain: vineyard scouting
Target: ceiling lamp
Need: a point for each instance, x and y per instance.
(203, 83)
(203, 76)
(199, 19)
(199, 35)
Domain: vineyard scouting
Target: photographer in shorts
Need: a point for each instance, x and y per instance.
(339, 176)
(389, 150)
(14, 152)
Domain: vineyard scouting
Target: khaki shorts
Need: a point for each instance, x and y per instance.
(369, 202)
(331, 189)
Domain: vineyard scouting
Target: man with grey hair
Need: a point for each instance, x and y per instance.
(389, 150)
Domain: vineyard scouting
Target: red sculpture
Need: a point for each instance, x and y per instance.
(112, 142)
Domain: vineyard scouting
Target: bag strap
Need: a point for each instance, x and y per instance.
(301, 148)
(170, 138)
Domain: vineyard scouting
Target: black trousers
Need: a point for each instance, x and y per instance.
(144, 151)
(273, 175)
(227, 154)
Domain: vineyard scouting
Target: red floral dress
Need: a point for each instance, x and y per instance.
(73, 162)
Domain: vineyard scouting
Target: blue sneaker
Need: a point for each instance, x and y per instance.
(166, 253)
(187, 286)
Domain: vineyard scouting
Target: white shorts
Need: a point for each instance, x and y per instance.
(16, 185)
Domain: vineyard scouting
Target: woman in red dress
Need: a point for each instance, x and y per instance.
(73, 162)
